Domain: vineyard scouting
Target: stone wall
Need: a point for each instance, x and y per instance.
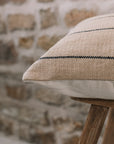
(27, 29)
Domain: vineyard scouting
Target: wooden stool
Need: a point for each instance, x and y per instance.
(95, 121)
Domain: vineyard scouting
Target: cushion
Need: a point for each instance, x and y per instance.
(95, 89)
(83, 59)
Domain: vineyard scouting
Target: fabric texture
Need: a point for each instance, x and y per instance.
(86, 53)
(81, 88)
(85, 56)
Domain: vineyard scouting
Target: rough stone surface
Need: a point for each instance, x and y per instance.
(45, 0)
(17, 92)
(47, 42)
(9, 111)
(2, 2)
(8, 53)
(45, 95)
(2, 26)
(72, 140)
(27, 59)
(26, 42)
(10, 140)
(75, 16)
(24, 132)
(27, 115)
(43, 138)
(48, 18)
(6, 126)
(67, 125)
(21, 22)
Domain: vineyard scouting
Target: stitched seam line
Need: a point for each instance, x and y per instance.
(78, 57)
(92, 30)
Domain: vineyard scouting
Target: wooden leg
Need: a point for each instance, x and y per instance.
(94, 124)
(109, 132)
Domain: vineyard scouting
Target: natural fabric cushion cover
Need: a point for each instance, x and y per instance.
(85, 55)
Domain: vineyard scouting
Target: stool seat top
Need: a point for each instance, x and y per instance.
(99, 102)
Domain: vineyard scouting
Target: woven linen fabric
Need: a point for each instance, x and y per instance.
(86, 53)
(95, 89)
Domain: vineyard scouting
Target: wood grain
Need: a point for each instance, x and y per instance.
(94, 124)
(100, 102)
(109, 132)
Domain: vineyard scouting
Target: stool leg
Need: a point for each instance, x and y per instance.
(93, 125)
(109, 132)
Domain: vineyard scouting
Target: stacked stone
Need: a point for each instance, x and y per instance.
(28, 28)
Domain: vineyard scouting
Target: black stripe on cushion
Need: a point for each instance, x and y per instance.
(78, 57)
(101, 29)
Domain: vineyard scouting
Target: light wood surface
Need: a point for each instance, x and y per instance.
(94, 124)
(109, 131)
(100, 102)
(95, 121)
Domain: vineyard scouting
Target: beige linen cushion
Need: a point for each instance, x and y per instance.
(85, 55)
